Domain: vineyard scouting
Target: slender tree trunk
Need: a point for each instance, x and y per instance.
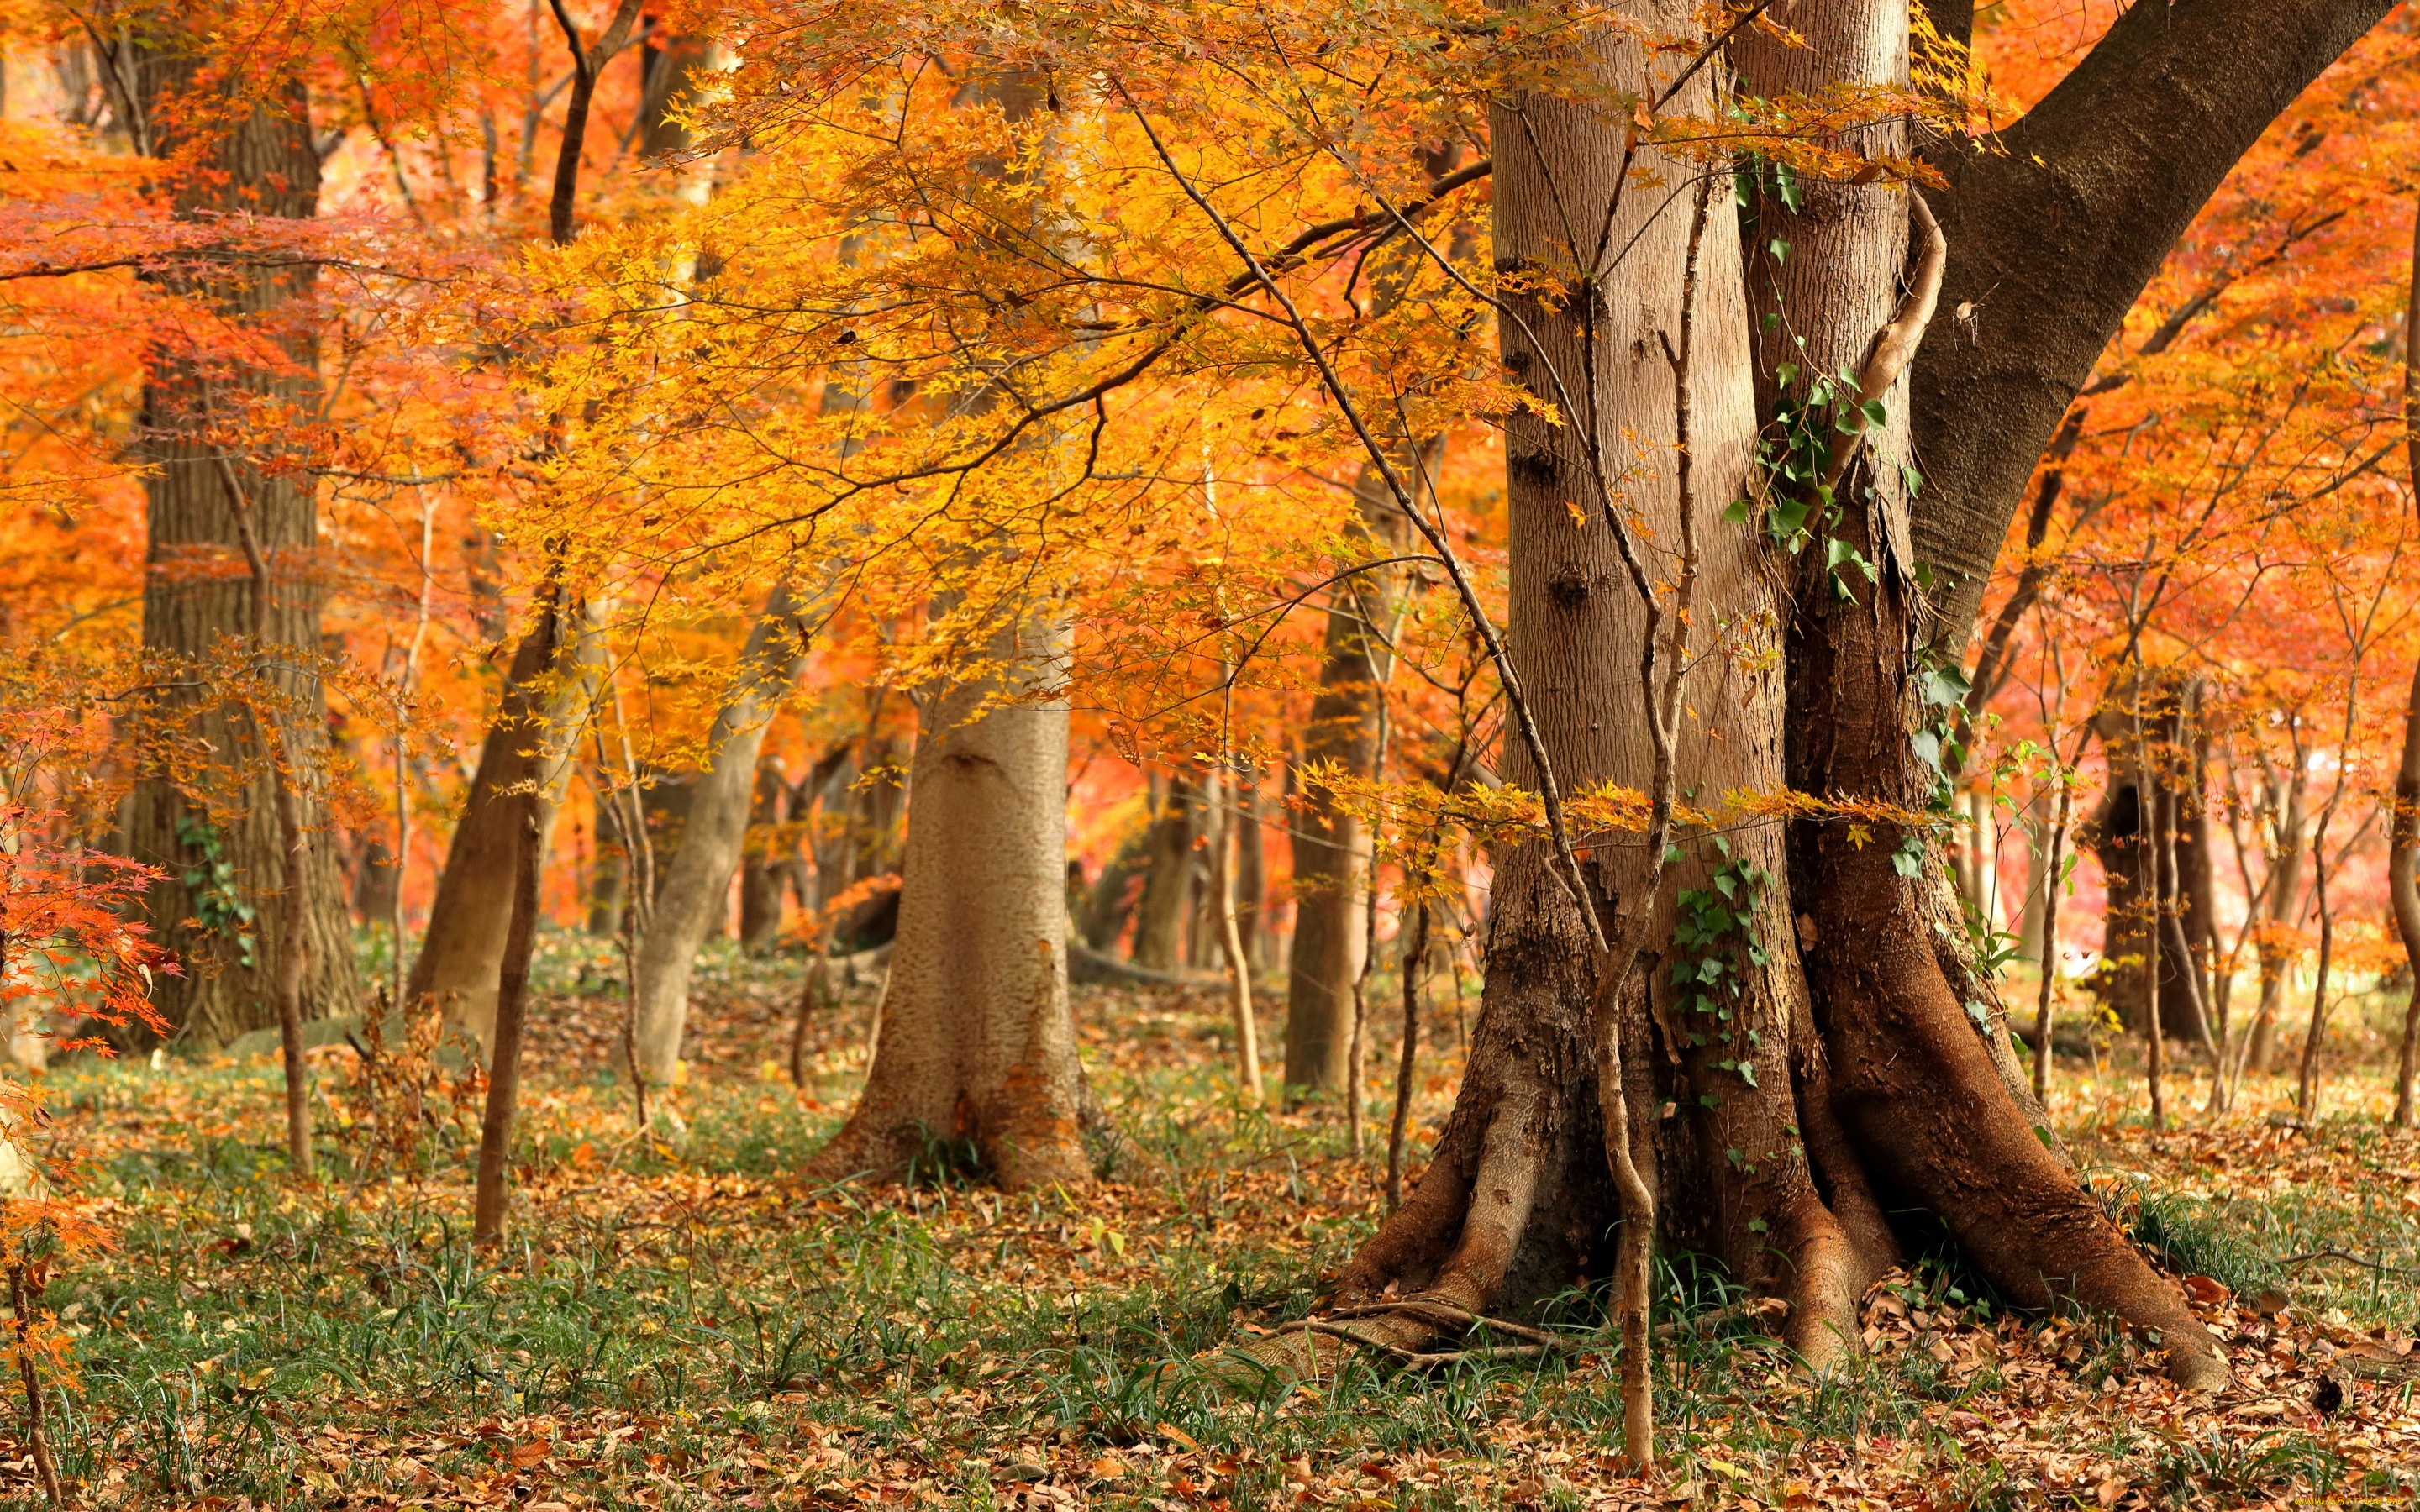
(764, 874)
(1252, 869)
(1222, 822)
(2403, 885)
(213, 790)
(463, 955)
(2154, 905)
(2282, 905)
(978, 1045)
(2049, 867)
(695, 892)
(286, 778)
(1406, 1063)
(512, 1002)
(2307, 1087)
(2403, 848)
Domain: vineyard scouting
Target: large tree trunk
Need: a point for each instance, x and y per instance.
(1854, 1050)
(210, 801)
(695, 893)
(977, 1049)
(1517, 1202)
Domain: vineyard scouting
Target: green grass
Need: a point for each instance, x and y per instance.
(687, 1326)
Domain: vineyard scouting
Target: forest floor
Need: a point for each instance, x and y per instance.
(679, 1323)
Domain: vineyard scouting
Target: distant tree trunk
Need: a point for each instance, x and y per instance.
(1251, 871)
(1168, 886)
(2035, 833)
(2281, 901)
(2403, 876)
(2127, 831)
(609, 881)
(1111, 900)
(977, 1047)
(764, 868)
(2403, 847)
(695, 892)
(218, 795)
(462, 950)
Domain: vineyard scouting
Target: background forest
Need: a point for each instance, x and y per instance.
(1422, 754)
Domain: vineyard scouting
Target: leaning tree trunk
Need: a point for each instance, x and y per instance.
(1859, 1053)
(977, 1048)
(695, 894)
(462, 950)
(208, 806)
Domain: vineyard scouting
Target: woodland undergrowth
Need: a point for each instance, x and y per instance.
(677, 1323)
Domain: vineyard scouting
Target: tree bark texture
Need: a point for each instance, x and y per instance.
(2058, 228)
(694, 896)
(197, 395)
(977, 1049)
(1861, 1066)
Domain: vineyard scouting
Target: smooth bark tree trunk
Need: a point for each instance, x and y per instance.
(977, 1049)
(694, 896)
(210, 790)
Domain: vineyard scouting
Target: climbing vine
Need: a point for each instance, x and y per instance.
(1714, 934)
(219, 905)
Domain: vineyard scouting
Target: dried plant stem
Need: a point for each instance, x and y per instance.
(20, 1300)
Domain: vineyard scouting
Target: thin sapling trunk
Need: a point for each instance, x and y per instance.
(293, 900)
(2050, 881)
